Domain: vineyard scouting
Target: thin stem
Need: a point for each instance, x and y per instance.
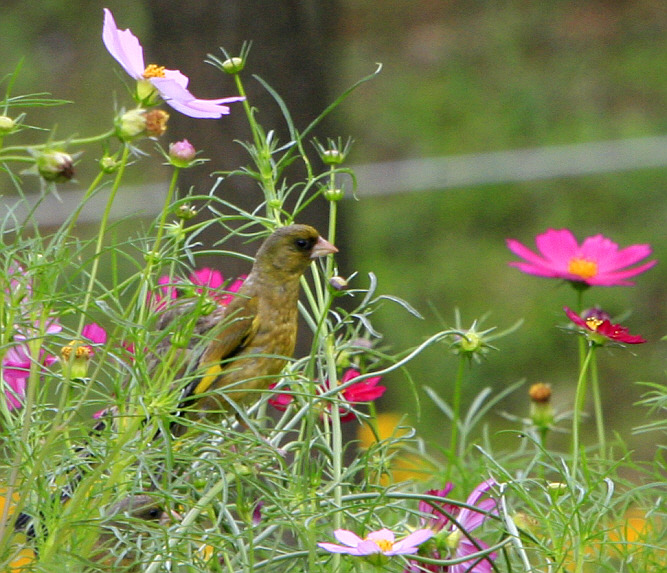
(102, 230)
(456, 414)
(597, 405)
(579, 400)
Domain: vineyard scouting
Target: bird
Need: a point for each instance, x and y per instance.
(255, 334)
(118, 530)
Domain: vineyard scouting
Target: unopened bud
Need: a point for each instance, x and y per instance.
(332, 156)
(181, 153)
(185, 211)
(338, 283)
(541, 410)
(108, 164)
(131, 124)
(335, 194)
(233, 65)
(7, 125)
(56, 166)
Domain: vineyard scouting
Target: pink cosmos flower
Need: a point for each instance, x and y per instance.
(365, 391)
(16, 366)
(597, 261)
(212, 280)
(456, 542)
(382, 541)
(599, 329)
(172, 85)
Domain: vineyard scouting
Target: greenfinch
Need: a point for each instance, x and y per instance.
(255, 334)
(119, 529)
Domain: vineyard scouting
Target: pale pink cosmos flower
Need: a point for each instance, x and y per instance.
(382, 541)
(172, 85)
(453, 539)
(597, 261)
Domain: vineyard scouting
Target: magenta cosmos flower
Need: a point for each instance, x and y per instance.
(382, 541)
(202, 281)
(365, 391)
(172, 85)
(16, 365)
(450, 537)
(599, 329)
(597, 261)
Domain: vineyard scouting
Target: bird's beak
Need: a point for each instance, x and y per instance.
(169, 517)
(322, 248)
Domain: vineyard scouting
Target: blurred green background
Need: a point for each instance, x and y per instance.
(458, 77)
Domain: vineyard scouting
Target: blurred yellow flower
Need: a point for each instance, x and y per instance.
(20, 555)
(639, 537)
(383, 427)
(403, 465)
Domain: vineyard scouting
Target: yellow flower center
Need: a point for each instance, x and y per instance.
(154, 71)
(80, 350)
(384, 544)
(582, 268)
(593, 323)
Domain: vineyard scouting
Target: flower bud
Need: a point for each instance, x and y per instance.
(131, 124)
(338, 283)
(332, 156)
(335, 194)
(138, 122)
(541, 411)
(181, 153)
(185, 211)
(108, 164)
(56, 166)
(76, 356)
(556, 489)
(233, 65)
(7, 125)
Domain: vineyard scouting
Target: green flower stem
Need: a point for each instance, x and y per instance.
(57, 144)
(262, 157)
(579, 399)
(456, 415)
(74, 217)
(154, 256)
(102, 230)
(597, 406)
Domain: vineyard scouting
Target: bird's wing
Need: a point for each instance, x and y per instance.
(238, 329)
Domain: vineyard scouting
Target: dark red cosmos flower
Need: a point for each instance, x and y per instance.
(365, 391)
(599, 329)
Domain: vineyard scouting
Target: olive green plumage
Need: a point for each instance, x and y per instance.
(257, 330)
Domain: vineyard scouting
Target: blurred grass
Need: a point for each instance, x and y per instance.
(458, 77)
(464, 77)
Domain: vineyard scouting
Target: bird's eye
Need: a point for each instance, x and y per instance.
(303, 244)
(154, 513)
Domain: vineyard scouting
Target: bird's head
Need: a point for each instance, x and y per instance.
(289, 250)
(142, 507)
